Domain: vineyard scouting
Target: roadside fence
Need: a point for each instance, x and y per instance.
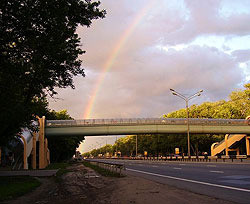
(192, 158)
(113, 167)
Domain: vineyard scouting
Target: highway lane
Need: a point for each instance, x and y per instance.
(227, 181)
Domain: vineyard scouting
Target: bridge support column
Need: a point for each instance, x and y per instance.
(41, 142)
(248, 146)
(34, 151)
(226, 145)
(25, 159)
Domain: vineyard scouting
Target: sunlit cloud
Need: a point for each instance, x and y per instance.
(186, 45)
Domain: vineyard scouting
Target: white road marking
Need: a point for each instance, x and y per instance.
(154, 166)
(192, 181)
(219, 172)
(182, 164)
(176, 168)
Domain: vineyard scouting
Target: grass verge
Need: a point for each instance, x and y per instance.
(102, 171)
(14, 186)
(62, 169)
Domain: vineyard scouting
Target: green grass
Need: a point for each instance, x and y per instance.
(62, 165)
(14, 186)
(102, 171)
(62, 169)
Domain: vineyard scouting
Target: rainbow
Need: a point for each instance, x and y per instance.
(113, 55)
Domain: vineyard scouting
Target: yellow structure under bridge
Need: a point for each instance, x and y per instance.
(231, 143)
(30, 141)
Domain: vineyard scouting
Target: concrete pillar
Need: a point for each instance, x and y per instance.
(25, 159)
(248, 145)
(34, 151)
(41, 142)
(226, 145)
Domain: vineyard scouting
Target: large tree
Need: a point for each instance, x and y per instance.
(39, 51)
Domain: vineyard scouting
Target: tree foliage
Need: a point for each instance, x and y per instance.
(161, 145)
(39, 51)
(238, 106)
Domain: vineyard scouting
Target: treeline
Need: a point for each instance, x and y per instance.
(157, 145)
(237, 107)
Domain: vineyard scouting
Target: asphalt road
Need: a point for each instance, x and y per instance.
(228, 181)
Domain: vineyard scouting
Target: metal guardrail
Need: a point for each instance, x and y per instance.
(134, 121)
(192, 158)
(113, 167)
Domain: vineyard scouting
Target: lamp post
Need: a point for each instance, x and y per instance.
(116, 145)
(186, 100)
(136, 145)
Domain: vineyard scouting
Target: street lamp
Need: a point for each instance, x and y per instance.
(186, 100)
(136, 145)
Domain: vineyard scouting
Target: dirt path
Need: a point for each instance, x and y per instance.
(83, 185)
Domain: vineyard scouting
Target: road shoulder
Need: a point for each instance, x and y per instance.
(134, 189)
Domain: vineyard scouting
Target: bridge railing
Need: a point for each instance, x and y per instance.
(134, 121)
(222, 141)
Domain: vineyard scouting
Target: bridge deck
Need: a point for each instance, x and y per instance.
(144, 126)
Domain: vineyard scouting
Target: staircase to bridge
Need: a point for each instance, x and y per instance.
(230, 143)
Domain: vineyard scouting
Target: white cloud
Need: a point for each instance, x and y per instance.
(199, 49)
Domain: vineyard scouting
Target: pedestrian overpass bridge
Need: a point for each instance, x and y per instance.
(97, 127)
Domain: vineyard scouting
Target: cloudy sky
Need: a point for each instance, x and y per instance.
(145, 47)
